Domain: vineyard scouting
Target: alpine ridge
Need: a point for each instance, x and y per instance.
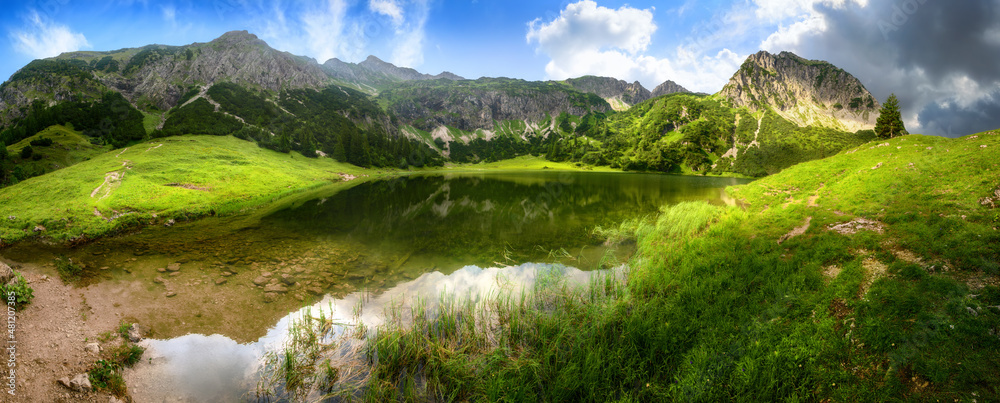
(806, 92)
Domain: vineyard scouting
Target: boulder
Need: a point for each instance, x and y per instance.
(79, 383)
(136, 332)
(6, 273)
(287, 279)
(92, 348)
(260, 281)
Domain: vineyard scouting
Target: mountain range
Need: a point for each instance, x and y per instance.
(775, 111)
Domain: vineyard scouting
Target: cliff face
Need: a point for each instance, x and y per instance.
(158, 75)
(477, 104)
(806, 92)
(619, 93)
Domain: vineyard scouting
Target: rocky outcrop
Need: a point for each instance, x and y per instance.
(236, 56)
(476, 104)
(611, 89)
(619, 93)
(373, 73)
(806, 92)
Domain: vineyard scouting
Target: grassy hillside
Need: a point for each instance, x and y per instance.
(868, 276)
(154, 181)
(68, 148)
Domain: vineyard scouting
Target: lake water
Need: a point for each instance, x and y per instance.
(235, 278)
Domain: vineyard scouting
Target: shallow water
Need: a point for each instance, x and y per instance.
(216, 368)
(238, 276)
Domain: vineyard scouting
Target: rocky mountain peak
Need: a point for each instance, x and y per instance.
(373, 73)
(619, 93)
(807, 92)
(234, 37)
(667, 87)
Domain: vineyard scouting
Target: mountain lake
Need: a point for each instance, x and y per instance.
(219, 293)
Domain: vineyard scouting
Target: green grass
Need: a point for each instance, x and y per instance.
(714, 308)
(69, 148)
(186, 177)
(150, 120)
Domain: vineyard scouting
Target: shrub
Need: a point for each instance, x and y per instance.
(26, 152)
(22, 292)
(41, 142)
(105, 375)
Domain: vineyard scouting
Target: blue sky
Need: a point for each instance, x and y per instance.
(891, 45)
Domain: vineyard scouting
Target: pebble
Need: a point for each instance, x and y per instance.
(170, 294)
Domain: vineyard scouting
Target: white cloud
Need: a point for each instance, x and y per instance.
(389, 8)
(408, 50)
(169, 13)
(584, 25)
(347, 30)
(41, 38)
(324, 28)
(789, 37)
(586, 39)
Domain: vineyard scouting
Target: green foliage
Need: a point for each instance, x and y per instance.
(77, 71)
(105, 375)
(149, 54)
(41, 142)
(111, 120)
(68, 271)
(890, 121)
(106, 64)
(22, 292)
(26, 152)
(199, 117)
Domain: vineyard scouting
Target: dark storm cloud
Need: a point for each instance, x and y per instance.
(954, 120)
(941, 58)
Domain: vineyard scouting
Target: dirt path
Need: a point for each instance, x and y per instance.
(51, 333)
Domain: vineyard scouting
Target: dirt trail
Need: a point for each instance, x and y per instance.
(51, 333)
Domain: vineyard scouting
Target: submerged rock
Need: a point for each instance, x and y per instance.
(174, 267)
(220, 281)
(270, 297)
(136, 332)
(260, 281)
(275, 288)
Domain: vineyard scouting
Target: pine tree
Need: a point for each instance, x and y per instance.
(890, 122)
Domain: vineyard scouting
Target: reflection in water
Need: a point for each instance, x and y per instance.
(216, 369)
(455, 220)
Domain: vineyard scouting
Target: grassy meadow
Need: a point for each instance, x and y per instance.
(155, 181)
(868, 276)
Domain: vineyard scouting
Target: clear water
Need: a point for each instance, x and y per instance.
(397, 238)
